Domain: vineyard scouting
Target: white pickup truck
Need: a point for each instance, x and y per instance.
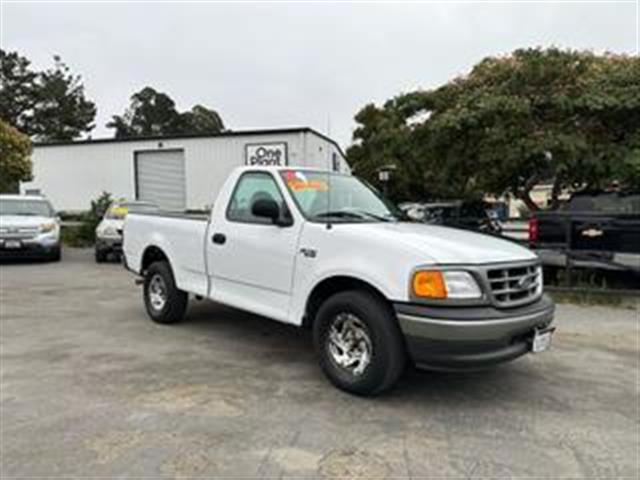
(325, 251)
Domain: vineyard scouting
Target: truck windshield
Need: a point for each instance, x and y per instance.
(323, 196)
(34, 208)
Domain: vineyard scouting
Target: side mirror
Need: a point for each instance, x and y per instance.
(268, 208)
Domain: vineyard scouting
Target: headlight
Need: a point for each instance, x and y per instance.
(47, 227)
(107, 232)
(453, 284)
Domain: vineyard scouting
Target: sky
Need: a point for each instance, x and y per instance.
(271, 65)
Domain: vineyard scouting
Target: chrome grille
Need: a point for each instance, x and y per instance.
(18, 233)
(513, 285)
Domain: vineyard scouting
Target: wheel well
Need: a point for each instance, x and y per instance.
(152, 254)
(331, 286)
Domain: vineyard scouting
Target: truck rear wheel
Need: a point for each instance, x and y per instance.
(164, 302)
(358, 343)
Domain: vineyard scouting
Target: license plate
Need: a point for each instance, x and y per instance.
(541, 340)
(12, 244)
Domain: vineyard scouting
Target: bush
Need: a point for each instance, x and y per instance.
(71, 236)
(84, 235)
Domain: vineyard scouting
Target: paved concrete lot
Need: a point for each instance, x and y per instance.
(91, 387)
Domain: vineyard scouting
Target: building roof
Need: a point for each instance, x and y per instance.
(228, 133)
(17, 196)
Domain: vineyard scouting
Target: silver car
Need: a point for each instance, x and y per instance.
(29, 228)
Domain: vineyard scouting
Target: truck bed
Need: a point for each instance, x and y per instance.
(180, 236)
(179, 215)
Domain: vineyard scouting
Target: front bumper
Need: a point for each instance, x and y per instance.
(29, 249)
(453, 338)
(109, 244)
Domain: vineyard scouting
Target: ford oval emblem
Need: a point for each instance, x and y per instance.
(525, 282)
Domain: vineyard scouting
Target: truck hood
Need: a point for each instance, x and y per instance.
(20, 221)
(444, 245)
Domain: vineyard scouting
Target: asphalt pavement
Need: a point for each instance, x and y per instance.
(91, 387)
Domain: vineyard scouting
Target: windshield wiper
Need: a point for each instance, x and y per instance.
(389, 218)
(359, 214)
(339, 214)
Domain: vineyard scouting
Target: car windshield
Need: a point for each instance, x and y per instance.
(323, 196)
(118, 211)
(34, 208)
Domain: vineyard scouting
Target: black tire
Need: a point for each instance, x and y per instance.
(388, 356)
(101, 255)
(56, 255)
(175, 304)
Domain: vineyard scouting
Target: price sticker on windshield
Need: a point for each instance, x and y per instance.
(298, 182)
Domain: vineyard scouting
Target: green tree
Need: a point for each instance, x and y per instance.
(18, 88)
(49, 105)
(15, 162)
(62, 111)
(568, 117)
(383, 138)
(153, 113)
(201, 120)
(150, 113)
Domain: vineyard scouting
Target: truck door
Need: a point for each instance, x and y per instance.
(251, 260)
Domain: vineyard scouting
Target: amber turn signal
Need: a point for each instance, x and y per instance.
(429, 284)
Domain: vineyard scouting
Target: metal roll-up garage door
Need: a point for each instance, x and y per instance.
(160, 178)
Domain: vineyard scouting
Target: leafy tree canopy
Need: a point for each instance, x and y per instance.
(62, 111)
(49, 105)
(18, 86)
(15, 164)
(154, 113)
(569, 117)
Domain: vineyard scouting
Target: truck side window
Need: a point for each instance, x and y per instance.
(251, 187)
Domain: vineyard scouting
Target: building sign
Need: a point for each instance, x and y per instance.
(266, 154)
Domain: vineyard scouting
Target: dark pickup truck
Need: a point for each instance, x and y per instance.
(594, 230)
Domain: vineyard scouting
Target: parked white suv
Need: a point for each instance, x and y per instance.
(323, 250)
(109, 230)
(29, 227)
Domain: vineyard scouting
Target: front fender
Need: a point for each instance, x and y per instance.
(304, 291)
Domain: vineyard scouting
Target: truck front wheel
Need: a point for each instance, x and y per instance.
(358, 342)
(164, 302)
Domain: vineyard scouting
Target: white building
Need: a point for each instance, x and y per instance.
(177, 173)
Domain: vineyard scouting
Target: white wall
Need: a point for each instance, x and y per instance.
(319, 153)
(72, 175)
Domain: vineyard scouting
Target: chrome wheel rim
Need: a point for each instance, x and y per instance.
(349, 344)
(157, 292)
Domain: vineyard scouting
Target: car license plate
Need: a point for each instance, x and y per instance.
(541, 340)
(12, 244)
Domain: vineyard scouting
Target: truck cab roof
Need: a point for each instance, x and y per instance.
(253, 168)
